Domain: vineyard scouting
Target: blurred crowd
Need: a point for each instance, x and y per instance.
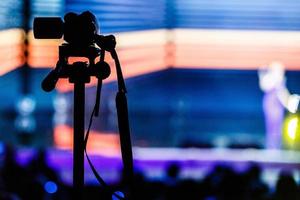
(38, 181)
(223, 183)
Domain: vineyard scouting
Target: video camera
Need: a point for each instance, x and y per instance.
(77, 30)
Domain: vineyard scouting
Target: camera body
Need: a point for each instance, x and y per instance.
(76, 29)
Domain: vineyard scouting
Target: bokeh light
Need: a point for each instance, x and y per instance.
(50, 187)
(291, 131)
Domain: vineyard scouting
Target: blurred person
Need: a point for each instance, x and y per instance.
(188, 189)
(286, 188)
(276, 98)
(223, 183)
(256, 189)
(172, 174)
(232, 186)
(15, 179)
(40, 167)
(171, 181)
(141, 187)
(212, 182)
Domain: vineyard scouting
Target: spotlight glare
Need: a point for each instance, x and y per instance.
(292, 128)
(291, 132)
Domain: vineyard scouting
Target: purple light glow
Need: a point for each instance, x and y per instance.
(194, 163)
(274, 115)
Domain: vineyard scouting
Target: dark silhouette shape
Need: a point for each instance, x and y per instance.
(173, 172)
(15, 179)
(42, 174)
(39, 166)
(255, 188)
(286, 187)
(80, 33)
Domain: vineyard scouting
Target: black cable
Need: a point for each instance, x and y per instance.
(98, 177)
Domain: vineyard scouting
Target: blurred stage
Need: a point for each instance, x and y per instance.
(194, 163)
(192, 74)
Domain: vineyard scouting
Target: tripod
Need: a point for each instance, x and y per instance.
(80, 33)
(79, 74)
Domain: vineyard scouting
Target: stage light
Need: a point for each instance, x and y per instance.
(25, 124)
(291, 129)
(26, 105)
(60, 103)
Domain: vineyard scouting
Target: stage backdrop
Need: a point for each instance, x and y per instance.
(191, 69)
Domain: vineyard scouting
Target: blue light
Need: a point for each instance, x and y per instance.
(26, 105)
(50, 187)
(119, 193)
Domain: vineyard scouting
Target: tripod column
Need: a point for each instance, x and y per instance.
(78, 140)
